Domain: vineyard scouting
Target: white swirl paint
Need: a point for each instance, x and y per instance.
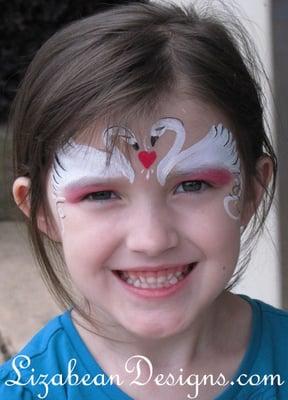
(234, 197)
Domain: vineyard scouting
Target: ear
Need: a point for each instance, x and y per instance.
(21, 195)
(20, 190)
(264, 169)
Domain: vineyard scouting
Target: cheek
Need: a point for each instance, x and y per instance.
(218, 243)
(212, 229)
(222, 248)
(87, 239)
(217, 227)
(218, 224)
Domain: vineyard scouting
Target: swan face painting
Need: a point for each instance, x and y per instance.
(216, 151)
(169, 202)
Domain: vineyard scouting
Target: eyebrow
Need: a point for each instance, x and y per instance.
(197, 170)
(104, 181)
(94, 181)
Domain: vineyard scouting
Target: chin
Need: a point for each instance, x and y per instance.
(152, 330)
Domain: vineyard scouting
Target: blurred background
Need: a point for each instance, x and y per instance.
(25, 304)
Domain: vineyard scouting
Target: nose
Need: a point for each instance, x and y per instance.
(151, 231)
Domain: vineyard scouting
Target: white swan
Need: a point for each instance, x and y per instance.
(74, 160)
(217, 148)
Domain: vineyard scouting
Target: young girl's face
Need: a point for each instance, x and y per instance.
(153, 239)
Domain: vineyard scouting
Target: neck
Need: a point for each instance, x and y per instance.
(181, 350)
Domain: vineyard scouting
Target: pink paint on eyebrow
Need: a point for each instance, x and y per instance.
(74, 193)
(219, 177)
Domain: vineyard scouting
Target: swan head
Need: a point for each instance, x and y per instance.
(159, 128)
(124, 133)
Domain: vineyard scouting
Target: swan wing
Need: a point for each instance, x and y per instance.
(217, 148)
(74, 161)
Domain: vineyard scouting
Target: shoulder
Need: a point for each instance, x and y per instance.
(273, 323)
(46, 339)
(270, 335)
(274, 318)
(41, 351)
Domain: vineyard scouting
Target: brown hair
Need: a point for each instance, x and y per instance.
(123, 59)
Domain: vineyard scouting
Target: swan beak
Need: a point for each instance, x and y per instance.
(154, 140)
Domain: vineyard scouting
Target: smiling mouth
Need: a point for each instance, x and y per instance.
(151, 280)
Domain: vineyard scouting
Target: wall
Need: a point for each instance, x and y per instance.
(279, 17)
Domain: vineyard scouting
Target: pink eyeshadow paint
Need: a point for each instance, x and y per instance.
(215, 176)
(74, 194)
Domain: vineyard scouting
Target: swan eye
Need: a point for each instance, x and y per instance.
(135, 146)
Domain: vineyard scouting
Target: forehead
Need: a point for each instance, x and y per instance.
(197, 118)
(182, 137)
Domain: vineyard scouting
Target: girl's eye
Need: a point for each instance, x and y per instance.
(100, 196)
(193, 186)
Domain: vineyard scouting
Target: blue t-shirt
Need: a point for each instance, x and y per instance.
(57, 365)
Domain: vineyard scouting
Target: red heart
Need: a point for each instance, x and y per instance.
(147, 158)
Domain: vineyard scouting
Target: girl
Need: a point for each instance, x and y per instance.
(141, 157)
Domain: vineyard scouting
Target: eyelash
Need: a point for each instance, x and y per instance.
(206, 184)
(91, 196)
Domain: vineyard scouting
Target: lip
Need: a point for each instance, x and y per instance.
(156, 293)
(154, 268)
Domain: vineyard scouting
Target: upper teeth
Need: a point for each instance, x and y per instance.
(147, 280)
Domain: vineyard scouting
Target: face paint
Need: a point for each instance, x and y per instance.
(123, 133)
(214, 176)
(59, 201)
(76, 163)
(234, 198)
(81, 164)
(217, 149)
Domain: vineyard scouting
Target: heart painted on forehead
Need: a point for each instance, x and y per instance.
(147, 158)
